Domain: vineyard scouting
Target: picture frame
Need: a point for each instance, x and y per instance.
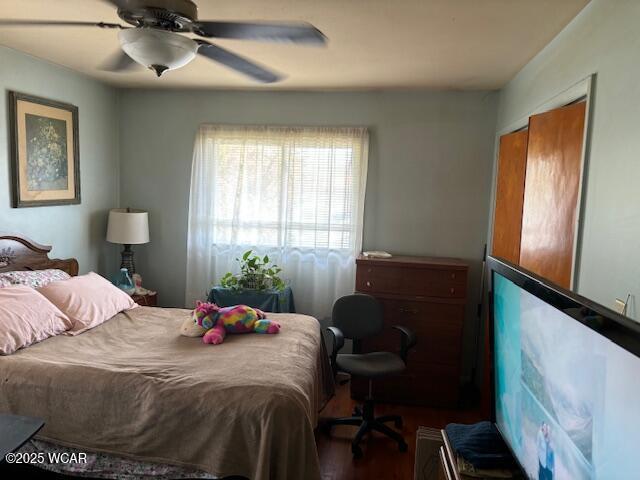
(45, 151)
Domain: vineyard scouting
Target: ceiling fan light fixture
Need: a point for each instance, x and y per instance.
(157, 50)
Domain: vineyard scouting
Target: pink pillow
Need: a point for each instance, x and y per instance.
(27, 317)
(88, 300)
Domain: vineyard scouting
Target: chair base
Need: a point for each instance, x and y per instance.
(367, 421)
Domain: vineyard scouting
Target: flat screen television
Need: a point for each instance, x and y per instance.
(566, 379)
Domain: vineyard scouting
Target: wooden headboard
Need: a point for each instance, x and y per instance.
(20, 253)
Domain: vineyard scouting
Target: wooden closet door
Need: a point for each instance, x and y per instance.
(507, 221)
(552, 185)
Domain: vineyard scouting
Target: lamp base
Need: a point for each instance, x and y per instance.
(127, 260)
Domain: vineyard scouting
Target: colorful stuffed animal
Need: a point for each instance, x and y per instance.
(237, 319)
(191, 329)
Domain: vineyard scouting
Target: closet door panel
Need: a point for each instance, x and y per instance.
(507, 222)
(552, 185)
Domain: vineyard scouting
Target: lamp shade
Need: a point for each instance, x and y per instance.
(128, 226)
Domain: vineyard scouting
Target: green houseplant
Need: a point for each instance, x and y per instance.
(256, 273)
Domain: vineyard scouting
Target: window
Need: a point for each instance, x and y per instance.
(282, 191)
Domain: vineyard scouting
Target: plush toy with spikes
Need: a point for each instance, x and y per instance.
(217, 321)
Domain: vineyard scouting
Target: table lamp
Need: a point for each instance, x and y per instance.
(128, 227)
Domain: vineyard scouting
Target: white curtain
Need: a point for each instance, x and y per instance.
(294, 194)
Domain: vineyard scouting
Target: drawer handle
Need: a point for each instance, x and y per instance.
(408, 310)
(369, 284)
(452, 291)
(453, 276)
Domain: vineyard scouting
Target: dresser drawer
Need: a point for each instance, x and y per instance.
(438, 328)
(427, 282)
(434, 385)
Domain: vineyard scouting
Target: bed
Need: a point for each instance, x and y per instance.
(133, 388)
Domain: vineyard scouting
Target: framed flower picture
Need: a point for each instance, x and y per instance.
(45, 163)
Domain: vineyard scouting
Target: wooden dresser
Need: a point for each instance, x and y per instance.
(427, 295)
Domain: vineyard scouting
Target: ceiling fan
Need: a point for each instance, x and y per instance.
(155, 38)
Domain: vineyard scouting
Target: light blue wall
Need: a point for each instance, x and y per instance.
(603, 39)
(75, 230)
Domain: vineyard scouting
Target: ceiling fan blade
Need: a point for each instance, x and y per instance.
(237, 62)
(303, 33)
(119, 62)
(62, 23)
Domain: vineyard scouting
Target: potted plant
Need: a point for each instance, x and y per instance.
(256, 273)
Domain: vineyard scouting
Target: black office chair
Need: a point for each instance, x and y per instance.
(358, 317)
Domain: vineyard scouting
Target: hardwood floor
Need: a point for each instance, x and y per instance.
(381, 460)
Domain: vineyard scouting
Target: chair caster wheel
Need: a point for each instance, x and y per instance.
(398, 424)
(403, 447)
(357, 452)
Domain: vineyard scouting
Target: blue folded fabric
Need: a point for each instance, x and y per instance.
(480, 444)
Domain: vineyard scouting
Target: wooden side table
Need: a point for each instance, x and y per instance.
(148, 300)
(15, 431)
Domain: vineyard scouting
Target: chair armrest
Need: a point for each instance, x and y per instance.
(408, 340)
(337, 343)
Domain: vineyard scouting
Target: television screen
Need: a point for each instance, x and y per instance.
(567, 398)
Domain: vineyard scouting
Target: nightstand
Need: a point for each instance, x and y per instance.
(148, 300)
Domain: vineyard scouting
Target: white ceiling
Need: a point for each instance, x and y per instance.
(460, 44)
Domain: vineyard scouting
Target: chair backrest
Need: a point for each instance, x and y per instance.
(358, 316)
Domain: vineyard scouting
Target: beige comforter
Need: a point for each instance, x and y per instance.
(133, 386)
